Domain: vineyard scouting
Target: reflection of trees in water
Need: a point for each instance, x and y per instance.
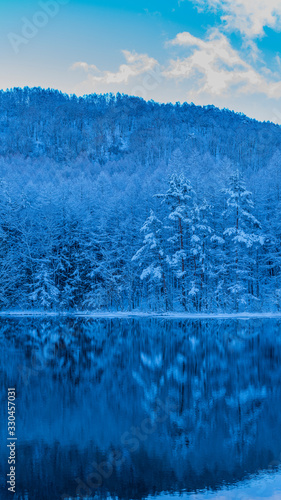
(98, 378)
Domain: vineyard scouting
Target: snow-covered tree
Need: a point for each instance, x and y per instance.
(45, 294)
(242, 234)
(201, 245)
(152, 257)
(178, 204)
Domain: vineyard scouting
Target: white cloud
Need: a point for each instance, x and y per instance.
(215, 68)
(249, 17)
(137, 64)
(211, 71)
(85, 66)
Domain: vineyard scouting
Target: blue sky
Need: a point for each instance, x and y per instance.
(221, 52)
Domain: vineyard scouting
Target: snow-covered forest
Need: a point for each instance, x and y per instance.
(114, 203)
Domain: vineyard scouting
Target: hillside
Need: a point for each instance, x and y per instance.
(81, 227)
(45, 124)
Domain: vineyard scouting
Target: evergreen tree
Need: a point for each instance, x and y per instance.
(45, 293)
(243, 237)
(152, 257)
(178, 203)
(201, 239)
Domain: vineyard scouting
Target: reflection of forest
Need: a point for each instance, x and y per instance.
(82, 384)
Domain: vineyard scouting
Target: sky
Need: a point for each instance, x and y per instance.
(221, 52)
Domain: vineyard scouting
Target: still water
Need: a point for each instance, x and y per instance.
(136, 409)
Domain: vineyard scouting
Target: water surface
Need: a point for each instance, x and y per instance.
(138, 408)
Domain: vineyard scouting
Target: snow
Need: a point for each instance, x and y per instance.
(261, 487)
(139, 314)
(83, 228)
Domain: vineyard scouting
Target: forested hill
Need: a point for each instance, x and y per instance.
(40, 123)
(113, 203)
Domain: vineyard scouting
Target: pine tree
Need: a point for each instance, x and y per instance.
(152, 257)
(45, 294)
(243, 237)
(201, 238)
(178, 203)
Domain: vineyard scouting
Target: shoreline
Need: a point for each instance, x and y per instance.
(132, 315)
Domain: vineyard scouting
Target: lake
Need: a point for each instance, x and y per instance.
(143, 408)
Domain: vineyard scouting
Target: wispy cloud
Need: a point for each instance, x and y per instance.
(84, 66)
(249, 17)
(136, 64)
(207, 70)
(216, 68)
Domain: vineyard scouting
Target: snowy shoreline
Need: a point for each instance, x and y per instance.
(128, 315)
